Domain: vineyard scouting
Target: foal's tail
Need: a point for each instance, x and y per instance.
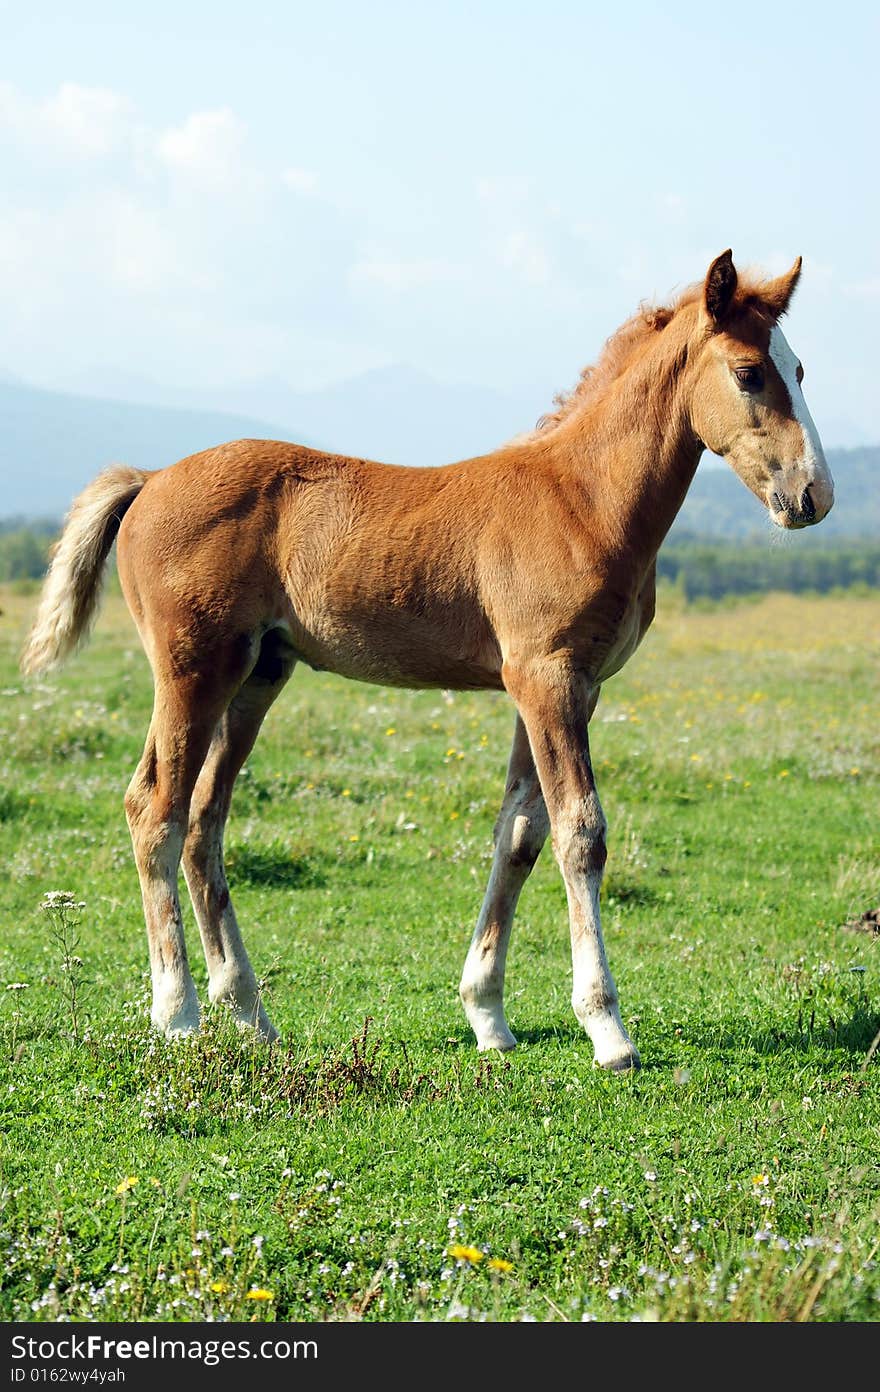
(72, 587)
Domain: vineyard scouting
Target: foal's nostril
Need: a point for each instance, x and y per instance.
(808, 507)
(778, 503)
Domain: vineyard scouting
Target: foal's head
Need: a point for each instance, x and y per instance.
(747, 404)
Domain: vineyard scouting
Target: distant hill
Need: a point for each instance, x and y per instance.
(396, 414)
(52, 443)
(407, 417)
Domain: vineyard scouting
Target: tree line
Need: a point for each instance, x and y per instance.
(715, 569)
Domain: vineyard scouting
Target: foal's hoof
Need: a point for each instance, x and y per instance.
(176, 1020)
(504, 1043)
(176, 1032)
(255, 1023)
(266, 1033)
(622, 1063)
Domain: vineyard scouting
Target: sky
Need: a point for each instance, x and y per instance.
(205, 194)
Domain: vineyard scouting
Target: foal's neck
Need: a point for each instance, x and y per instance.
(635, 448)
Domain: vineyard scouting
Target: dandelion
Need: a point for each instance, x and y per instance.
(391, 730)
(125, 1184)
(499, 1264)
(346, 792)
(258, 1293)
(783, 773)
(466, 1254)
(219, 1287)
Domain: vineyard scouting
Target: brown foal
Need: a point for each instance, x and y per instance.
(529, 569)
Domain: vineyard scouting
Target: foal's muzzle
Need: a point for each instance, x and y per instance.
(801, 510)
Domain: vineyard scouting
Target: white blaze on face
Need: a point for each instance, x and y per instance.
(786, 365)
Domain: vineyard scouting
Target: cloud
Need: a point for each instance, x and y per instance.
(83, 122)
(300, 180)
(506, 204)
(404, 275)
(88, 121)
(206, 149)
(104, 242)
(523, 254)
(503, 189)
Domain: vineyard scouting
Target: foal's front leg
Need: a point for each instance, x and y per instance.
(556, 702)
(520, 832)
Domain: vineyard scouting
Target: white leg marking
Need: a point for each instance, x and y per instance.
(175, 1008)
(594, 994)
(482, 979)
(519, 838)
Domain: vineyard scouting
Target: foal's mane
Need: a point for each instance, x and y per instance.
(627, 343)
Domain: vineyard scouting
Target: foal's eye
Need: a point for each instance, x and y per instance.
(751, 378)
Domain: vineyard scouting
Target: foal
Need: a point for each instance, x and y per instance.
(529, 569)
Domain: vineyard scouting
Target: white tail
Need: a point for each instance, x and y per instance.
(72, 587)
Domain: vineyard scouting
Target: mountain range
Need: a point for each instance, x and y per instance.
(53, 442)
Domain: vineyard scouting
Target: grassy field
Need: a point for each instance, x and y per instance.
(374, 1166)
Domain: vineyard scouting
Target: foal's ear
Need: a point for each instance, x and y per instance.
(775, 294)
(720, 287)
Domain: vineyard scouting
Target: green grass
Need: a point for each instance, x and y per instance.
(735, 1178)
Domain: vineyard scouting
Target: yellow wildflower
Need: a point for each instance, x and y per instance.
(125, 1184)
(499, 1264)
(259, 1294)
(468, 1254)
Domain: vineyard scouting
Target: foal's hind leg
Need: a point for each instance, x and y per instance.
(520, 832)
(231, 977)
(157, 808)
